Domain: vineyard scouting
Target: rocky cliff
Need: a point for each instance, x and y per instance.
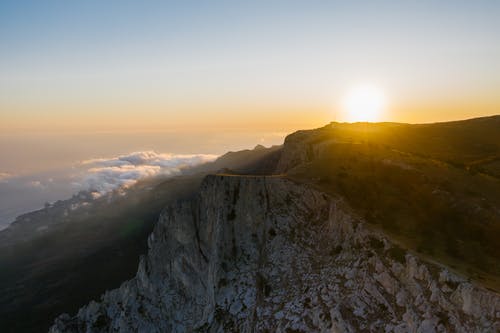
(264, 254)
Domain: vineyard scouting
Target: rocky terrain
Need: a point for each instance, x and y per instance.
(266, 254)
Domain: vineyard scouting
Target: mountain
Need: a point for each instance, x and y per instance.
(57, 259)
(355, 228)
(265, 254)
(434, 188)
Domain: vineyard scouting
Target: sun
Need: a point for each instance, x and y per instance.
(364, 103)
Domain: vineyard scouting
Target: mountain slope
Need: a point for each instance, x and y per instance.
(59, 258)
(434, 188)
(266, 254)
(69, 257)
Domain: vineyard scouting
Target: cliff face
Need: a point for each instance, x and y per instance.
(257, 254)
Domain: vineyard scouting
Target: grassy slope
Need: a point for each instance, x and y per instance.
(432, 187)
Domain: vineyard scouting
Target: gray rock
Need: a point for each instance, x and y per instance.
(263, 254)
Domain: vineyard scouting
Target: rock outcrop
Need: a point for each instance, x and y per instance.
(264, 254)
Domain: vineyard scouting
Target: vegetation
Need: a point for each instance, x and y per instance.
(434, 188)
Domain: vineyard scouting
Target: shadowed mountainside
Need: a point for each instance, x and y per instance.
(59, 258)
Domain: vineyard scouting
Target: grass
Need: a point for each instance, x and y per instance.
(431, 203)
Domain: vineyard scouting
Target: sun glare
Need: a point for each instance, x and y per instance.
(364, 103)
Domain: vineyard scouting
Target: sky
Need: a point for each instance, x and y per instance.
(266, 65)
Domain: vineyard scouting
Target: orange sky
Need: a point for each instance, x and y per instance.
(133, 118)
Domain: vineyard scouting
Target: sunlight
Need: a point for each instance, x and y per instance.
(364, 103)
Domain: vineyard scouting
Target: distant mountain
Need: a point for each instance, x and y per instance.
(347, 228)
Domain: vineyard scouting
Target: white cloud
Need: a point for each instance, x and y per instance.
(35, 183)
(4, 176)
(104, 175)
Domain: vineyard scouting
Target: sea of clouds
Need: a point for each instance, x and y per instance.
(106, 174)
(21, 194)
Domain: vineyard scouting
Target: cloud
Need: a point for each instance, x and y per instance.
(35, 183)
(106, 174)
(4, 176)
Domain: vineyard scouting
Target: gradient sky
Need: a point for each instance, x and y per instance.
(266, 65)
